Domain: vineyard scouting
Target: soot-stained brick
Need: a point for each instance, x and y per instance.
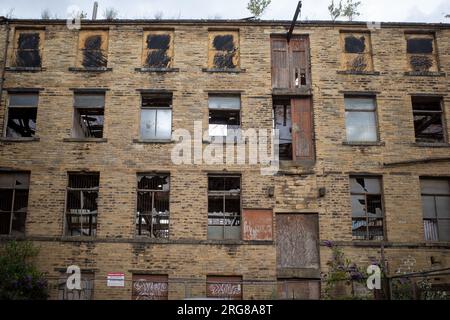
(93, 55)
(355, 45)
(27, 54)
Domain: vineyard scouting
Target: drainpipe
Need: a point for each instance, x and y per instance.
(2, 79)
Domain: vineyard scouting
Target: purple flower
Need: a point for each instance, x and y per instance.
(328, 243)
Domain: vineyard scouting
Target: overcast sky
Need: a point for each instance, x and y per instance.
(371, 10)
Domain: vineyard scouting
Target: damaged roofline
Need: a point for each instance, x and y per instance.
(286, 23)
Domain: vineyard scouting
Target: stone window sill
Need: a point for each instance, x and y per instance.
(424, 74)
(364, 144)
(359, 73)
(153, 141)
(25, 69)
(86, 140)
(237, 70)
(24, 139)
(160, 70)
(78, 238)
(431, 145)
(73, 69)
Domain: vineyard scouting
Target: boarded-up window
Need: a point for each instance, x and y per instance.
(224, 207)
(156, 116)
(257, 224)
(85, 293)
(93, 49)
(158, 49)
(297, 241)
(302, 130)
(428, 119)
(13, 202)
(295, 289)
(224, 287)
(421, 53)
(89, 110)
(290, 62)
(152, 216)
(436, 209)
(367, 208)
(22, 113)
(28, 46)
(356, 52)
(223, 50)
(360, 119)
(150, 287)
(81, 204)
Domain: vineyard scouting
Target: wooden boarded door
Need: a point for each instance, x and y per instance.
(297, 241)
(302, 129)
(280, 63)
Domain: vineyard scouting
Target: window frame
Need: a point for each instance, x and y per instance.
(86, 277)
(170, 51)
(212, 33)
(434, 54)
(7, 113)
(366, 216)
(346, 56)
(239, 111)
(374, 111)
(83, 34)
(424, 112)
(156, 108)
(17, 32)
(76, 108)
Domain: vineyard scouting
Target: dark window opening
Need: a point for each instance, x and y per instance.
(367, 208)
(420, 46)
(355, 45)
(89, 115)
(13, 202)
(22, 113)
(93, 54)
(81, 204)
(428, 119)
(436, 209)
(283, 122)
(224, 207)
(224, 116)
(156, 116)
(27, 53)
(152, 217)
(158, 46)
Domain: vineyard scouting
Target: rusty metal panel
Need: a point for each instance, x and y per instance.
(297, 241)
(299, 289)
(257, 224)
(150, 287)
(302, 129)
(228, 287)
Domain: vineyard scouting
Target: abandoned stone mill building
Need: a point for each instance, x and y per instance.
(88, 117)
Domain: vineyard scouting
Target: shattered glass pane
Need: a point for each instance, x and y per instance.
(374, 206)
(365, 185)
(154, 182)
(375, 227)
(21, 122)
(358, 206)
(359, 228)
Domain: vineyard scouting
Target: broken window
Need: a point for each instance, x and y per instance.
(428, 119)
(283, 122)
(156, 116)
(93, 48)
(27, 48)
(367, 208)
(227, 287)
(421, 53)
(158, 49)
(224, 207)
(224, 116)
(223, 50)
(152, 217)
(86, 291)
(357, 52)
(436, 209)
(81, 204)
(88, 120)
(290, 62)
(360, 119)
(13, 202)
(150, 287)
(22, 112)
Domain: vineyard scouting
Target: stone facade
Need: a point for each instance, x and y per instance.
(188, 257)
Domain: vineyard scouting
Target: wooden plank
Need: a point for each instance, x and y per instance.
(280, 63)
(257, 224)
(302, 129)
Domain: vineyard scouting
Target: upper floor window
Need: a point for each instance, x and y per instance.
(436, 209)
(156, 116)
(367, 208)
(223, 50)
(28, 48)
(89, 110)
(360, 119)
(356, 52)
(81, 204)
(152, 216)
(428, 119)
(224, 115)
(421, 53)
(158, 49)
(13, 202)
(93, 49)
(224, 207)
(22, 113)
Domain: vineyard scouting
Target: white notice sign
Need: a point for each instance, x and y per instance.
(116, 279)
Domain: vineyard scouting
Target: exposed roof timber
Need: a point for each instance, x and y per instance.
(294, 21)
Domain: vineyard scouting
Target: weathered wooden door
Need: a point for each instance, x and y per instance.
(280, 63)
(302, 129)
